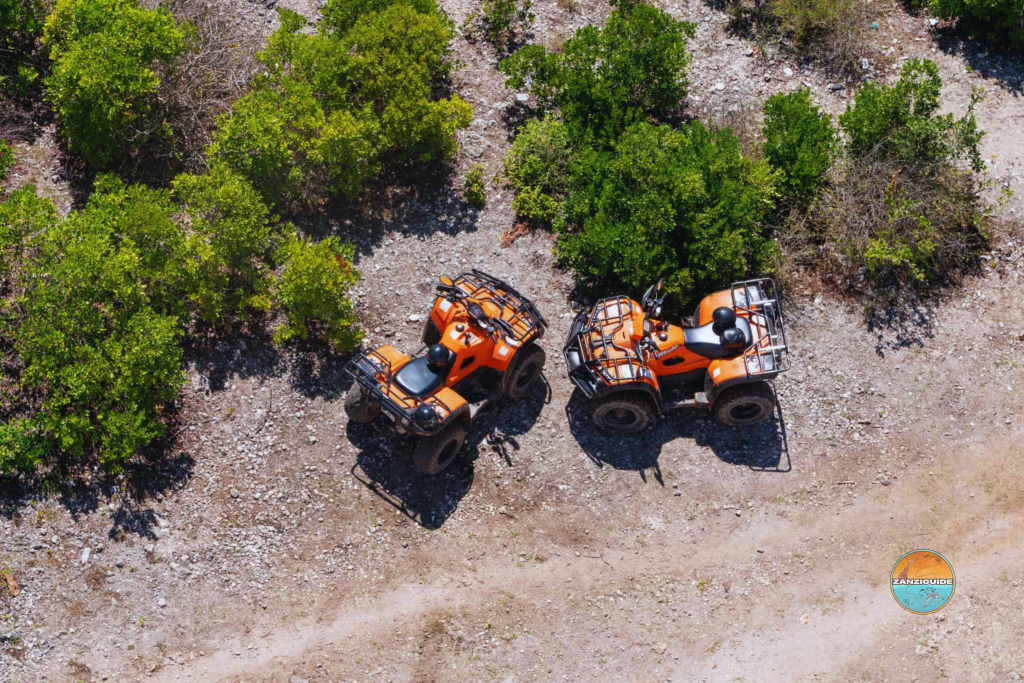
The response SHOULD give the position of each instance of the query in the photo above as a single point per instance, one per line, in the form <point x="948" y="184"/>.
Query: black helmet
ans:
<point x="733" y="338"/>
<point x="437" y="356"/>
<point x="724" y="319"/>
<point x="425" y="416"/>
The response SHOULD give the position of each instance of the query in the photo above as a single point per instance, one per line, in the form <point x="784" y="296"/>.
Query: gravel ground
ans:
<point x="275" y="542"/>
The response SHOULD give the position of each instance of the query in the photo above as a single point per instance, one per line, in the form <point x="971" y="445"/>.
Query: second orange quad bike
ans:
<point x="479" y="346"/>
<point x="633" y="366"/>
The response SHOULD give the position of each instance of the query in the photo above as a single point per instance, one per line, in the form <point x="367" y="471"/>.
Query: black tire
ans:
<point x="359" y="408"/>
<point x="744" y="405"/>
<point x="434" y="454"/>
<point x="624" y="413"/>
<point x="431" y="335"/>
<point x="525" y="369"/>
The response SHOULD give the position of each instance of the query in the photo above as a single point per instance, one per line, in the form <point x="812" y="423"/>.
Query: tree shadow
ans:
<point x="219" y="356"/>
<point x="406" y="199"/>
<point x="431" y="500"/>
<point x="986" y="59"/>
<point x="761" y="447"/>
<point x="900" y="325"/>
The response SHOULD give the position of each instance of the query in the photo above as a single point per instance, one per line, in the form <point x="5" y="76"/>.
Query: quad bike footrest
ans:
<point x="699" y="400"/>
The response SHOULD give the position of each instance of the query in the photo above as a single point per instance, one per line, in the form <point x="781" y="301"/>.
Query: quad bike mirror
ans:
<point x="446" y="281"/>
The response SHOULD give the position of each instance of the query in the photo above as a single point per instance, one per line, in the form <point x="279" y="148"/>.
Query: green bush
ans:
<point x="99" y="357"/>
<point x="332" y="105"/>
<point x="1000" y="20"/>
<point x="104" y="54"/>
<point x="22" y="216"/>
<point x="537" y="165"/>
<point x="6" y="158"/>
<point x="21" y="23"/>
<point x="338" y="16"/>
<point x="900" y="121"/>
<point x="474" y="189"/>
<point x="505" y="20"/>
<point x="311" y="293"/>
<point x="800" y="142"/>
<point x="683" y="205"/>
<point x="605" y="79"/>
<point x="231" y="239"/>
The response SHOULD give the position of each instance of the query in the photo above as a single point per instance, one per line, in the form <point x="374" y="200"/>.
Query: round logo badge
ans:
<point x="923" y="581"/>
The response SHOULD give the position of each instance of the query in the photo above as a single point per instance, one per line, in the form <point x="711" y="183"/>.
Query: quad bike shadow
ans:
<point x="761" y="447"/>
<point x="384" y="467"/>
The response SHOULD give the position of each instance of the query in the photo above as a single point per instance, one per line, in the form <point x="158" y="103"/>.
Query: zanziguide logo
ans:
<point x="923" y="581"/>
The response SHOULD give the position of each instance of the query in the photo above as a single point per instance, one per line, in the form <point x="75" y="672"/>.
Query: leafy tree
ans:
<point x="605" y="79"/>
<point x="338" y="16"/>
<point x="504" y="20"/>
<point x="21" y="23"/>
<point x="800" y="142"/>
<point x="311" y="293"/>
<point x="22" y="216"/>
<point x="683" y="205"/>
<point x="900" y="121"/>
<point x="98" y="355"/>
<point x="331" y="105"/>
<point x="537" y="165"/>
<point x="104" y="54"/>
<point x="1001" y="20"/>
<point x="230" y="238"/>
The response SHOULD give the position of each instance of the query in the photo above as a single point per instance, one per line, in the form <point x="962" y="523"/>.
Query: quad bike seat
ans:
<point x="705" y="341"/>
<point x="417" y="378"/>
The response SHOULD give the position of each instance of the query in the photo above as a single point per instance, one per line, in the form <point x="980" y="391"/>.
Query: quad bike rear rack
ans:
<point x="768" y="355"/>
<point x="590" y="375"/>
<point x="366" y="367"/>
<point x="524" y="313"/>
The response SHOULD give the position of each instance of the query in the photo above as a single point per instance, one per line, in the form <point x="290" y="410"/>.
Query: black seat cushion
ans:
<point x="416" y="378"/>
<point x="703" y="340"/>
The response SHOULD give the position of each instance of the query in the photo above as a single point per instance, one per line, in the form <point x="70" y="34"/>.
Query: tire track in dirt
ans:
<point x="861" y="624"/>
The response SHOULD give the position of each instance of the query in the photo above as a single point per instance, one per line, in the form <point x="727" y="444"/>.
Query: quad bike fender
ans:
<point x="645" y="388"/>
<point x="393" y="356"/>
<point x="443" y="312"/>
<point x="726" y="372"/>
<point x="503" y="353"/>
<point x="710" y="303"/>
<point x="455" y="402"/>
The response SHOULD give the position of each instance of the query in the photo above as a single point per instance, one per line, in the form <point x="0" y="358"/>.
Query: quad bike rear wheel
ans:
<point x="746" y="404"/>
<point x="359" y="408"/>
<point x="434" y="454"/>
<point x="622" y="413"/>
<point x="524" y="371"/>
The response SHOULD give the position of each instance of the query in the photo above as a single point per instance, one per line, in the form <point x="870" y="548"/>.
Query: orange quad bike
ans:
<point x="479" y="346"/>
<point x="633" y="366"/>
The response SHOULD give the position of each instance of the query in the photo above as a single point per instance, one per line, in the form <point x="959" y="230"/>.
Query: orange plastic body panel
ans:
<point x="446" y="400"/>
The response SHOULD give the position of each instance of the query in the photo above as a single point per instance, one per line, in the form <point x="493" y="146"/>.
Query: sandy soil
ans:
<point x="277" y="543"/>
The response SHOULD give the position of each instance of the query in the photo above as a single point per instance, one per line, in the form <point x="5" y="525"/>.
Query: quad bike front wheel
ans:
<point x="746" y="404"/>
<point x="359" y="408"/>
<point x="433" y="454"/>
<point x="524" y="371"/>
<point x="622" y="413"/>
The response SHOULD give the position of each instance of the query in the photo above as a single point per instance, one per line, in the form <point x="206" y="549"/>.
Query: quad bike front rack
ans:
<point x="365" y="369"/>
<point x="524" y="314"/>
<point x="768" y="355"/>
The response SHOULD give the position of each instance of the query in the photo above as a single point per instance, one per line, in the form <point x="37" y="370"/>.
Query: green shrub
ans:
<point x="537" y="165"/>
<point x="474" y="189"/>
<point x="338" y="16"/>
<point x="103" y="54"/>
<point x="683" y="205"/>
<point x="800" y="142"/>
<point x="900" y="121"/>
<point x="231" y="238"/>
<point x="605" y="79"/>
<point x="22" y="216"/>
<point x="99" y="358"/>
<point x="311" y="293"/>
<point x="6" y="158"/>
<point x="505" y="20"/>
<point x="1000" y="20"/>
<point x="330" y="106"/>
<point x="21" y="23"/>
